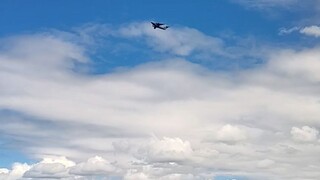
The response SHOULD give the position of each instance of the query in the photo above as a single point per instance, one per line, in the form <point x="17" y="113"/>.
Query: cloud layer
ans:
<point x="170" y="119"/>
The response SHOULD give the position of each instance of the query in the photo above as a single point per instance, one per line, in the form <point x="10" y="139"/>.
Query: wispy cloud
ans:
<point x="189" y="42"/>
<point x="312" y="30"/>
<point x="178" y="41"/>
<point x="265" y="4"/>
<point x="306" y="12"/>
<point x="285" y="31"/>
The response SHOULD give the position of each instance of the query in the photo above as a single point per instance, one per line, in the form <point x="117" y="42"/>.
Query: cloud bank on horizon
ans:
<point x="169" y="118"/>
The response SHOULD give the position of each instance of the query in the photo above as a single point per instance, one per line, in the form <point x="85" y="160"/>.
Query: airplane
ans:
<point x="159" y="25"/>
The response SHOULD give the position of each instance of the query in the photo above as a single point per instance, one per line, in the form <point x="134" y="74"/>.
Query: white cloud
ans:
<point x="229" y="133"/>
<point x="61" y="167"/>
<point x="16" y="172"/>
<point x="311" y="31"/>
<point x="304" y="134"/>
<point x="94" y="166"/>
<point x="297" y="66"/>
<point x="50" y="167"/>
<point x="178" y="177"/>
<point x="4" y="171"/>
<point x="134" y="175"/>
<point x="57" y="111"/>
<point x="266" y="163"/>
<point x="308" y="31"/>
<point x="61" y="160"/>
<point x="168" y="150"/>
<point x="47" y="170"/>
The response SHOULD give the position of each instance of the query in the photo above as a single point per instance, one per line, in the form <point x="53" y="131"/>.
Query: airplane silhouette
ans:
<point x="159" y="25"/>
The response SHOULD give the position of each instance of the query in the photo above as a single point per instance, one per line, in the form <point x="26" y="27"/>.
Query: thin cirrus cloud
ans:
<point x="272" y="7"/>
<point x="178" y="41"/>
<point x="165" y="119"/>
<point x="263" y="4"/>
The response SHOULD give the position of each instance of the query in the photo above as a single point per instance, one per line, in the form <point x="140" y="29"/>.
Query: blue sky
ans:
<point x="91" y="90"/>
<point x="211" y="17"/>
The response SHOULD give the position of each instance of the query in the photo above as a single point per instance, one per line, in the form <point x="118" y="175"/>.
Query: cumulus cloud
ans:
<point x="16" y="172"/>
<point x="94" y="166"/>
<point x="304" y="134"/>
<point x="4" y="171"/>
<point x="56" y="167"/>
<point x="47" y="170"/>
<point x="48" y="108"/>
<point x="60" y="168"/>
